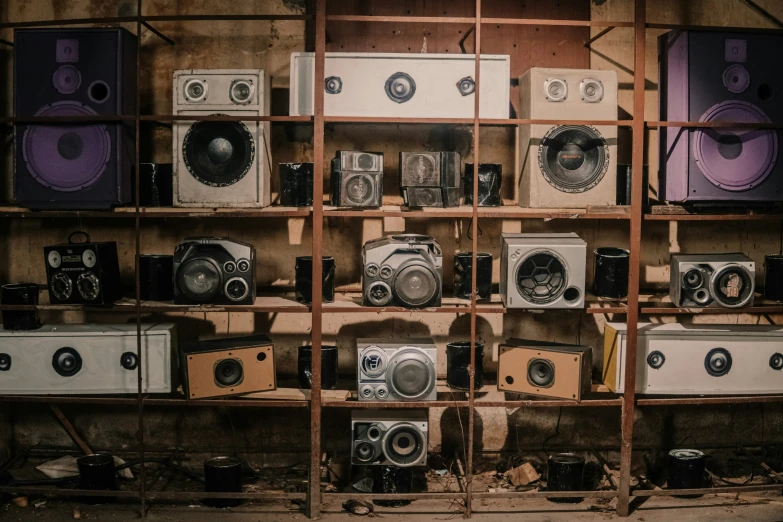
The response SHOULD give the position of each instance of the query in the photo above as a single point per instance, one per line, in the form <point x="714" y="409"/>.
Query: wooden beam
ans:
<point x="75" y="437"/>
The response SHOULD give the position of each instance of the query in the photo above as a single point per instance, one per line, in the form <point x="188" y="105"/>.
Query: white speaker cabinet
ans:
<point x="402" y="85"/>
<point x="87" y="359"/>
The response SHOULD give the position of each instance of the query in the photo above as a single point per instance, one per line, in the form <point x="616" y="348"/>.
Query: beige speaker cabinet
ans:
<point x="568" y="166"/>
<point x="230" y="366"/>
<point x="545" y="369"/>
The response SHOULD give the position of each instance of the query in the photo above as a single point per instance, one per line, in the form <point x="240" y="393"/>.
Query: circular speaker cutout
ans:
<point x="98" y="91"/>
<point x="228" y="372"/>
<point x="776" y="361"/>
<point x="333" y="85"/>
<point x="359" y="189"/>
<point x="129" y="361"/>
<point x="556" y="89"/>
<point x="411" y="374"/>
<point x="5" y="362"/>
<point x="67" y="362"/>
<point x="218" y="154"/>
<point x="400" y="87"/>
<point x="541" y="373"/>
<point x="656" y="359"/>
<point x="732" y="286"/>
<point x="573" y="158"/>
<point x="67" y="79"/>
<point x="404" y="445"/>
<point x="736" y="78"/>
<point x="89" y="286"/>
<point x="199" y="279"/>
<point x="718" y="362"/>
<point x="415" y="285"/>
<point x="61" y="286"/>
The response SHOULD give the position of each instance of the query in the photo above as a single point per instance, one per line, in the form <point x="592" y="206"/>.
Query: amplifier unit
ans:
<point x="83" y="273"/>
<point x="677" y="359"/>
<point x="402" y="85"/>
<point x="87" y="359"/>
<point x="397" y="370"/>
<point x="545" y="368"/>
<point x="214" y="271"/>
<point x="357" y="179"/>
<point x="430" y="179"/>
<point x="712" y="280"/>
<point x="542" y="270"/>
<point x="229" y="366"/>
<point x="389" y="437"/>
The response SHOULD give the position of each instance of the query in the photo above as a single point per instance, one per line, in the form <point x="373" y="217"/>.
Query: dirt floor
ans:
<point x="715" y="508"/>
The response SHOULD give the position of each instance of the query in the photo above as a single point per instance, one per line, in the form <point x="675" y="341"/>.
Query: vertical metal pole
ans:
<point x="623" y="502"/>
<point x="474" y="247"/>
<point x="314" y="490"/>
<point x="139" y="354"/>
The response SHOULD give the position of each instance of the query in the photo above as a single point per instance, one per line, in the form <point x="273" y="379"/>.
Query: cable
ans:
<point x="556" y="433"/>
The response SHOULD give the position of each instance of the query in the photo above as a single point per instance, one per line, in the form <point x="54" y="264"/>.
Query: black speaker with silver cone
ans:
<point x="712" y="280"/>
<point x="214" y="271"/>
<point x="389" y="438"/>
<point x="357" y="179"/>
<point x="396" y="370"/>
<point x="404" y="270"/>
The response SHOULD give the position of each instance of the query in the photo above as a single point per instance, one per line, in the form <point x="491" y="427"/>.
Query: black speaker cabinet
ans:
<point x="88" y="72"/>
<point x="229" y="366"/>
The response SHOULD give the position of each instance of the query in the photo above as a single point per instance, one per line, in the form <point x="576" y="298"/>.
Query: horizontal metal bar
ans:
<point x="402" y="19"/>
<point x="62" y="492"/>
<point x="538" y="121"/>
<point x="160" y="212"/>
<point x="715" y="124"/>
<point x="66" y="119"/>
<point x="158" y="33"/>
<point x="594" y="403"/>
<point x="225" y="117"/>
<point x="72" y="21"/>
<point x="197" y="495"/>
<point x="387" y="119"/>
<point x="686" y="27"/>
<point x="154" y="401"/>
<point x="673" y="310"/>
<point x="393" y="405"/>
<point x="707" y="401"/>
<point x="753" y="216"/>
<point x="440" y="495"/>
<point x="545" y="494"/>
<point x="224" y="18"/>
<point x="554" y="22"/>
<point x="705" y="491"/>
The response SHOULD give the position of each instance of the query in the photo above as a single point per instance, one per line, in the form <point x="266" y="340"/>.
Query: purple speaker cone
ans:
<point x="66" y="79"/>
<point x="735" y="159"/>
<point x="736" y="78"/>
<point x="66" y="158"/>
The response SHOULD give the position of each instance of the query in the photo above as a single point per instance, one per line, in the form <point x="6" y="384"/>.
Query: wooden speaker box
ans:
<point x="229" y="366"/>
<point x="544" y="368"/>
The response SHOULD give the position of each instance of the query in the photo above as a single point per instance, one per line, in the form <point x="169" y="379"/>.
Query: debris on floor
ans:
<point x="358" y="507"/>
<point x="522" y="475"/>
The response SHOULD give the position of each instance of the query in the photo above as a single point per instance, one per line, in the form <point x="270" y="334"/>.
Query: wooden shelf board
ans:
<point x="510" y="210"/>
<point x="661" y="304"/>
<point x="159" y="212"/>
<point x="649" y="400"/>
<point x="681" y="213"/>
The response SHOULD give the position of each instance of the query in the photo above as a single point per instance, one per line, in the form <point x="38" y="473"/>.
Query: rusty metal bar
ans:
<point x="396" y="496"/>
<point x="402" y="19"/>
<point x="554" y="22"/>
<point x="705" y="491"/>
<point x="197" y="495"/>
<point x="589" y="42"/>
<point x="313" y="509"/>
<point x="546" y="494"/>
<point x="225" y="18"/>
<point x="75" y="437"/>
<point x="6" y="42"/>
<point x="158" y="33"/>
<point x="640" y="39"/>
<point x="763" y="12"/>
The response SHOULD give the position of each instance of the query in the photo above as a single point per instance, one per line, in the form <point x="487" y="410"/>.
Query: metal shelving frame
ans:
<point x="634" y="214"/>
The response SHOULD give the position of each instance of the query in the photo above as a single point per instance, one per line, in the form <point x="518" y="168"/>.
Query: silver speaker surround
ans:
<point x="712" y="280"/>
<point x="403" y="270"/>
<point x="389" y="438"/>
<point x="396" y="370"/>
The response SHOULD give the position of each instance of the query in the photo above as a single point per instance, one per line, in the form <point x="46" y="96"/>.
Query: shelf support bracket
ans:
<point x="763" y="13"/>
<point x="589" y="42"/>
<point x="158" y="33"/>
<point x="6" y="42"/>
<point x="70" y="429"/>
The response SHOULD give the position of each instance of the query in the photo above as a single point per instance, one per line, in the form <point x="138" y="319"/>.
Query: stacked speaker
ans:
<point x="88" y="73"/>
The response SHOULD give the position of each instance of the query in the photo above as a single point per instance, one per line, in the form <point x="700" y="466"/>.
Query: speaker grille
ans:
<point x="573" y="158"/>
<point x="541" y="278"/>
<point x="415" y="285"/>
<point x="411" y="376"/>
<point x="732" y="286"/>
<point x="218" y="154"/>
<point x="358" y="188"/>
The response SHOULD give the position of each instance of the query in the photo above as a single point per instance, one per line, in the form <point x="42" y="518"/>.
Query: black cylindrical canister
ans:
<point x="304" y="278"/>
<point x="457" y="363"/>
<point x="463" y="273"/>
<point x="223" y="475"/>
<point x="96" y="472"/>
<point x="773" y="277"/>
<point x="156" y="187"/>
<point x="296" y="184"/>
<point x="328" y="367"/>
<point x="20" y="294"/>
<point x="565" y="472"/>
<point x="489" y="179"/>
<point x="685" y="469"/>
<point x="157" y="277"/>
<point x="611" y="272"/>
<point x="391" y="480"/>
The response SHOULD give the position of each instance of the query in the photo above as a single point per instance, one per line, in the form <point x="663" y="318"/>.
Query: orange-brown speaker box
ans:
<point x="229" y="366"/>
<point x="562" y="371"/>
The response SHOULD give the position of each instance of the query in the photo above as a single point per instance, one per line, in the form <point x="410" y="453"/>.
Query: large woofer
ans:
<point x="218" y="153"/>
<point x="573" y="158"/>
<point x="411" y="374"/>
<point x="541" y="373"/>
<point x="718" y="362"/>
<point x="229" y="372"/>
<point x="364" y="452"/>
<point x="541" y="278"/>
<point x="67" y="362"/>
<point x="732" y="286"/>
<point x="404" y="445"/>
<point x="358" y="188"/>
<point x="66" y="158"/>
<point x="415" y="285"/>
<point x="200" y="278"/>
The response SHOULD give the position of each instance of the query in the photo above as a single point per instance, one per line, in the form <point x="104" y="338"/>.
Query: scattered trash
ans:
<point x="67" y="467"/>
<point x="441" y="472"/>
<point x="522" y="475"/>
<point x="38" y="501"/>
<point x="358" y="507"/>
<point x="21" y="502"/>
<point x="76" y="513"/>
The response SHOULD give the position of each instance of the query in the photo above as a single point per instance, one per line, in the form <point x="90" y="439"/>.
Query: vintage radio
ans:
<point x="389" y="437"/>
<point x="708" y="359"/>
<point x="568" y="166"/>
<point x="712" y="280"/>
<point x="403" y="270"/>
<point x="357" y="179"/>
<point x="221" y="163"/>
<point x="397" y="370"/>
<point x="714" y="77"/>
<point x="545" y="368"/>
<point x="83" y="273"/>
<point x="542" y="270"/>
<point x="229" y="366"/>
<point x="85" y="72"/>
<point x="214" y="271"/>
<point x="402" y="85"/>
<point x="430" y="179"/>
<point x="87" y="359"/>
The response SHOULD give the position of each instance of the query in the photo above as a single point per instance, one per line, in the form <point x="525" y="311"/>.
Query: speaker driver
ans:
<point x="373" y="362"/>
<point x="776" y="361"/>
<point x="241" y="92"/>
<point x="62" y="286"/>
<point x="67" y="362"/>
<point x="218" y="154"/>
<point x="736" y="78"/>
<point x="229" y="372"/>
<point x="732" y="286"/>
<point x="400" y="87"/>
<point x="735" y="159"/>
<point x="541" y="373"/>
<point x="541" y="278"/>
<point x="556" y="89"/>
<point x="67" y="79"/>
<point x="415" y="285"/>
<point x="200" y="279"/>
<point x="379" y="293"/>
<point x="403" y="445"/>
<point x="5" y="362"/>
<point x="411" y="375"/>
<point x="333" y="85"/>
<point x="656" y="360"/>
<point x="718" y="362"/>
<point x="573" y="158"/>
<point x="236" y="289"/>
<point x="66" y="158"/>
<point x="129" y="361"/>
<point x="693" y="279"/>
<point x="89" y="286"/>
<point x="592" y="90"/>
<point x="420" y="170"/>
<point x="466" y="86"/>
<point x="364" y="452"/>
<point x="359" y="189"/>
